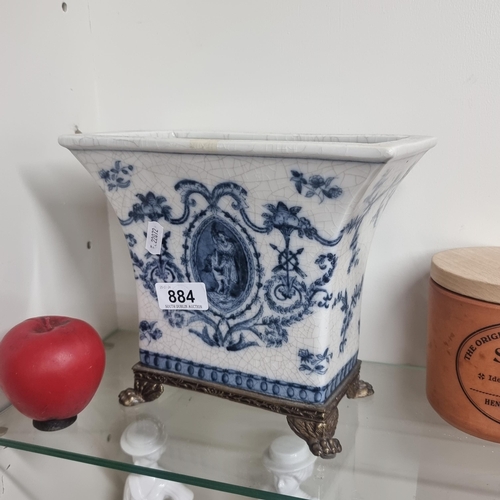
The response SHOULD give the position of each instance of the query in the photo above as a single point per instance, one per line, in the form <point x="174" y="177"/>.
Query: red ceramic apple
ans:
<point x="50" y="368"/>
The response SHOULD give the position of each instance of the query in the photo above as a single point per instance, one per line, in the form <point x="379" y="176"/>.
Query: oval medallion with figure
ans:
<point x="221" y="258"/>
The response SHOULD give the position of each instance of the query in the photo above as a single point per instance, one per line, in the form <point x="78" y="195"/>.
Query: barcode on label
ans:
<point x="182" y="296"/>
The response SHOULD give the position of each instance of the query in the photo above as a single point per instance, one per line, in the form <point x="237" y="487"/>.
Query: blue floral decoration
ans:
<point x="220" y="251"/>
<point x="117" y="176"/>
<point x="156" y="268"/>
<point x="314" y="363"/>
<point x="131" y="240"/>
<point x="176" y="319"/>
<point x="379" y="196"/>
<point x="316" y="185"/>
<point x="151" y="207"/>
<point x="347" y="306"/>
<point x="148" y="330"/>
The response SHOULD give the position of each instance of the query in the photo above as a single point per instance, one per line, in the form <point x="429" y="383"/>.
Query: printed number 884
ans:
<point x="175" y="296"/>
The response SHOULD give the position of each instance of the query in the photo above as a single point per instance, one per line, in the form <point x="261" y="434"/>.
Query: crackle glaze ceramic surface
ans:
<point x="278" y="229"/>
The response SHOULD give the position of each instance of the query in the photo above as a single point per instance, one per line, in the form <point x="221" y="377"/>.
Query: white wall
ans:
<point x="328" y="66"/>
<point x="292" y="65"/>
<point x="289" y="66"/>
<point x="50" y="207"/>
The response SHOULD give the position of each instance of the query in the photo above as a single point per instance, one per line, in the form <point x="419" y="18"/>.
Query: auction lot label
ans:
<point x="478" y="370"/>
<point x="183" y="296"/>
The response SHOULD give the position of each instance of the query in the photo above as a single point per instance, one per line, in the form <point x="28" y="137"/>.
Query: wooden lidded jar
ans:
<point x="463" y="352"/>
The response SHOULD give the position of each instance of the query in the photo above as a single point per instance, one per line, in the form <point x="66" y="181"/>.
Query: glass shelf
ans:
<point x="394" y="444"/>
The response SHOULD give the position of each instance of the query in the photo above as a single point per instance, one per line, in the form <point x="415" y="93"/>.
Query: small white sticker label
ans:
<point x="182" y="296"/>
<point x="154" y="237"/>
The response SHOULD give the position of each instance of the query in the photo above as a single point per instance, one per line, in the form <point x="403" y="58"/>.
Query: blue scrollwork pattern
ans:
<point x="220" y="250"/>
<point x="154" y="269"/>
<point x="347" y="305"/>
<point x="249" y="306"/>
<point x="379" y="196"/>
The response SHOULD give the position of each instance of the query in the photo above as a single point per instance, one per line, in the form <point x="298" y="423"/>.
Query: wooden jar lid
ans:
<point x="473" y="272"/>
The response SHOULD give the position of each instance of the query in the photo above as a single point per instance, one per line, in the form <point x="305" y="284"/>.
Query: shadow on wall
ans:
<point x="395" y="311"/>
<point x="414" y="305"/>
<point x="125" y="284"/>
<point x="70" y="245"/>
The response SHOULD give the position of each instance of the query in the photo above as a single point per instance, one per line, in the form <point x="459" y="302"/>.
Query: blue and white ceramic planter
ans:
<point x="278" y="229"/>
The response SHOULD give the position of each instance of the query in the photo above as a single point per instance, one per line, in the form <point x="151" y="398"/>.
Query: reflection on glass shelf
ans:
<point x="394" y="445"/>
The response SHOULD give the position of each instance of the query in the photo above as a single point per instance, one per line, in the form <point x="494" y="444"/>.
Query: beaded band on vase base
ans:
<point x="248" y="382"/>
<point x="315" y="423"/>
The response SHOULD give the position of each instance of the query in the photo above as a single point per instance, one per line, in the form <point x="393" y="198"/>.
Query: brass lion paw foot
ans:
<point x="325" y="448"/>
<point x="318" y="435"/>
<point x="359" y="389"/>
<point x="143" y="392"/>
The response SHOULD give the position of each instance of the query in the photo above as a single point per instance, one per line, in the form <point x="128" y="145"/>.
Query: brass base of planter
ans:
<point x="315" y="424"/>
